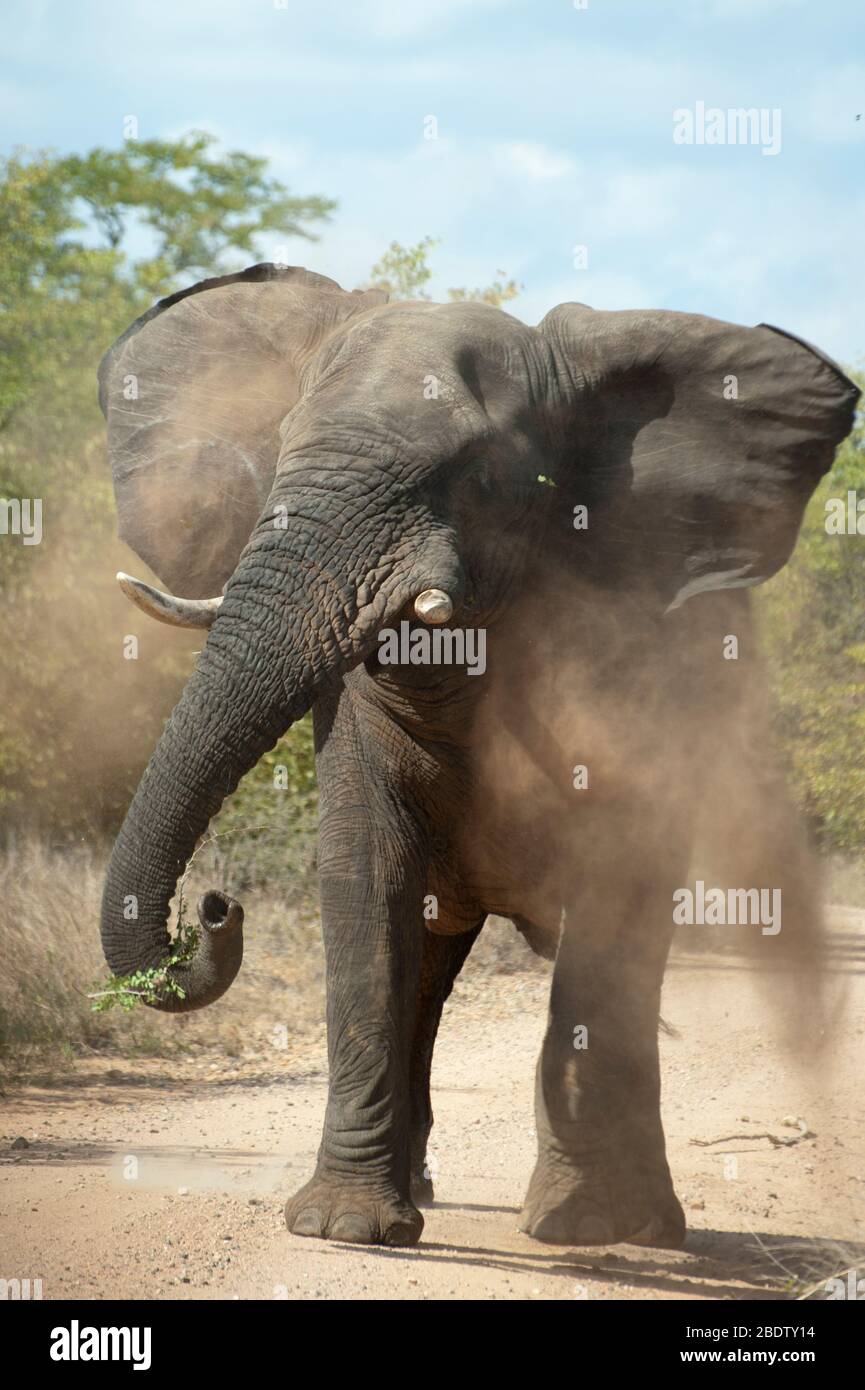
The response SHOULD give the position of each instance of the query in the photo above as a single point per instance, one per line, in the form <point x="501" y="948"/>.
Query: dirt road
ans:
<point x="150" y="1179"/>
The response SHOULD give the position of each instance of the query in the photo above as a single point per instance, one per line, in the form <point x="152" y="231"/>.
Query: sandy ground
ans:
<point x="156" y="1179"/>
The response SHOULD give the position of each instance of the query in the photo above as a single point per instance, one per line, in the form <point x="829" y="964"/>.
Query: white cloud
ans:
<point x="534" y="160"/>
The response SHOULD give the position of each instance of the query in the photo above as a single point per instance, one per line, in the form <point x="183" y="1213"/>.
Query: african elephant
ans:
<point x="590" y="497"/>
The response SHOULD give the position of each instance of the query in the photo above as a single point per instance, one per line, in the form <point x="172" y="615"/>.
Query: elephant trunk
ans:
<point x="279" y="633"/>
<point x="204" y="751"/>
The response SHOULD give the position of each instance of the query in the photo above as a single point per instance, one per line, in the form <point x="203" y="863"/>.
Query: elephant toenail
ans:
<point x="306" y="1223"/>
<point x="403" y="1233"/>
<point x="352" y="1227"/>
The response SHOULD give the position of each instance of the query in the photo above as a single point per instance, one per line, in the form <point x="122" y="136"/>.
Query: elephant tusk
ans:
<point x="434" y="606"/>
<point x="179" y="612"/>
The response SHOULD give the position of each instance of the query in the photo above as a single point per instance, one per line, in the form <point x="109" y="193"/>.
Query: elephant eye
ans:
<point x="481" y="475"/>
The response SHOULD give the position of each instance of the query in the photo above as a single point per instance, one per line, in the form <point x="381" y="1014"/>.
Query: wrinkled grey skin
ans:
<point x="327" y="457"/>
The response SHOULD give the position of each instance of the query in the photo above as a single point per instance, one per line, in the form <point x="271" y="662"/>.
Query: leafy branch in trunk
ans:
<point x="146" y="986"/>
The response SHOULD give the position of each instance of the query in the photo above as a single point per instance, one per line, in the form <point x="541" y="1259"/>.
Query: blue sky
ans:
<point x="555" y="130"/>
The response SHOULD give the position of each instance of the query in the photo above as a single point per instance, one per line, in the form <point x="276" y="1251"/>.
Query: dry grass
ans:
<point x="813" y="1270"/>
<point x="50" y="960"/>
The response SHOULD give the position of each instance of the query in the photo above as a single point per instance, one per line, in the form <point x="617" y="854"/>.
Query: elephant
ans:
<point x="311" y="471"/>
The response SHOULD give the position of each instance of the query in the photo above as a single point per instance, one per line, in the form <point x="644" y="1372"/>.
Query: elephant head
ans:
<point x="332" y="462"/>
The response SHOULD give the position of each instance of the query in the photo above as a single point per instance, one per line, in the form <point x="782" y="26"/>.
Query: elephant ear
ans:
<point x="694" y="443"/>
<point x="194" y="394"/>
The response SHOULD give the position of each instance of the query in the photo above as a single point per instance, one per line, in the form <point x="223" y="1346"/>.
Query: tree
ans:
<point x="812" y="623"/>
<point x="404" y="272"/>
<point x="54" y="291"/>
<point x="198" y="206"/>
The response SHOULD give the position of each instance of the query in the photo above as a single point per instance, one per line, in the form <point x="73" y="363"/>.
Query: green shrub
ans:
<point x="812" y="624"/>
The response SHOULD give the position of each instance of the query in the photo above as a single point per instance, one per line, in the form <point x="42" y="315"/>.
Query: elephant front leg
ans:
<point x="372" y="876"/>
<point x="602" y="1175"/>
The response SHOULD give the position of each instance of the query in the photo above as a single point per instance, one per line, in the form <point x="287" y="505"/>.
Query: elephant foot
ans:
<point x="565" y="1206"/>
<point x="332" y="1209"/>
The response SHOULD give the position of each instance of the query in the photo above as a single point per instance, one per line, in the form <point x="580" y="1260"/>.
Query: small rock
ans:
<point x="20" y="1143"/>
